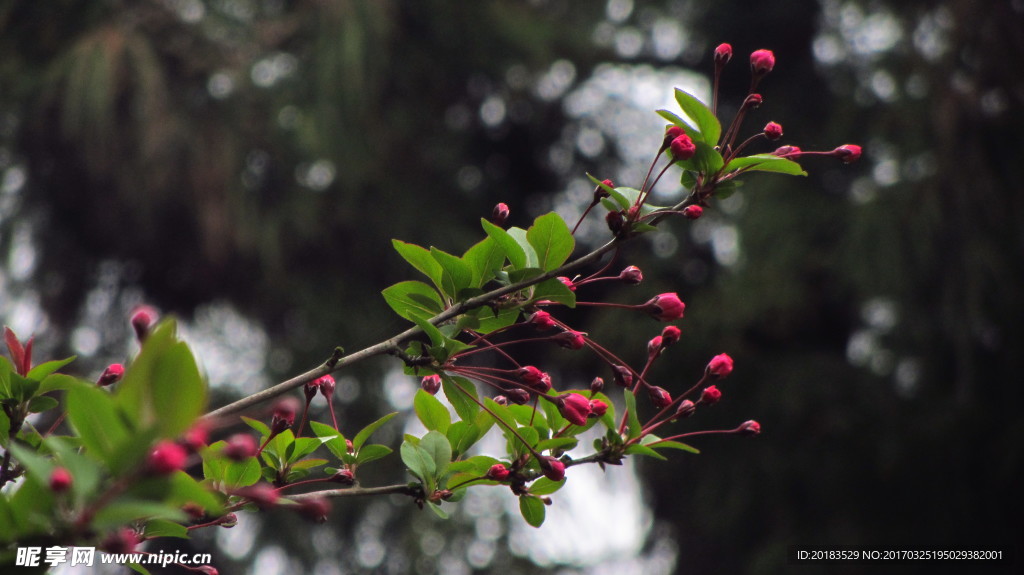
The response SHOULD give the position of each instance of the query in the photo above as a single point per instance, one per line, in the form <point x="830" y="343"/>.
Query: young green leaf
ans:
<point x="431" y="412"/>
<point x="436" y="444"/>
<point x="513" y="251"/>
<point x="456" y="275"/>
<point x="485" y="259"/>
<point x="707" y="123"/>
<point x="551" y="239"/>
<point x="545" y="486"/>
<point x="421" y="259"/>
<point x="675" y="119"/>
<point x="366" y="432"/>
<point x="532" y="509"/>
<point x="420" y="462"/>
<point x="765" y="163"/>
<point x="372" y="452"/>
<point x="456" y="389"/>
<point x="633" y="421"/>
<point x="411" y="299"/>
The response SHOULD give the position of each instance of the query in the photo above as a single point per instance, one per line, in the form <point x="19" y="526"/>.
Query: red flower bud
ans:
<point x="529" y="374"/>
<point x="665" y="307"/>
<point x="570" y="340"/>
<point x="600" y="192"/>
<point x="499" y="214"/>
<point x="326" y="385"/>
<point x="431" y="384"/>
<point x="623" y="375"/>
<point x="498" y="472"/>
<point x="284" y="415"/>
<point x="723" y="53"/>
<point x="596" y="385"/>
<point x="752" y="102"/>
<point x="671" y="133"/>
<point x="574" y="407"/>
<point x="848" y="153"/>
<point x="521" y="396"/>
<point x="750" y="428"/>
<point x="567" y="282"/>
<point x="228" y="520"/>
<point x="122" y="541"/>
<point x="344" y="477"/>
<point x="654" y="347"/>
<point x="659" y="396"/>
<point x="670" y="335"/>
<point x="501" y="400"/>
<point x="761" y="62"/>
<point x="773" y="131"/>
<point x="787" y="152"/>
<point x="311" y="389"/>
<point x="553" y="469"/>
<point x="542" y="320"/>
<point x="616" y="221"/>
<point x="166" y="458"/>
<point x="686" y="408"/>
<point x="720" y="366"/>
<point x="711" y="395"/>
<point x="693" y="212"/>
<point x="262" y="494"/>
<point x="631" y="275"/>
<point x="315" y="509"/>
<point x="111" y="375"/>
<point x="142" y="319"/>
<point x="195" y="438"/>
<point x="683" y="148"/>
<point x="597" y="408"/>
<point x="60" y="480"/>
<point x="240" y="447"/>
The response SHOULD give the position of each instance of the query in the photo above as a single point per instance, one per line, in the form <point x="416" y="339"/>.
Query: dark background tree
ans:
<point x="264" y="153"/>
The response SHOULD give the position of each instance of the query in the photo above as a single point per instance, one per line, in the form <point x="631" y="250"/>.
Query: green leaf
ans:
<point x="366" y="432"/>
<point x="372" y="452"/>
<point x="260" y="427"/>
<point x="765" y="163"/>
<point x="456" y="389"/>
<point x="552" y="289"/>
<point x="126" y="510"/>
<point x="633" y="421"/>
<point x="420" y="462"/>
<point x="707" y="123"/>
<point x="706" y="160"/>
<point x="421" y="259"/>
<point x="489" y="322"/>
<point x="42" y="370"/>
<point x="485" y="258"/>
<point x="165" y="528"/>
<point x="532" y="509"/>
<point x="675" y="119"/>
<point x="528" y="435"/>
<point x="311" y="463"/>
<point x="163" y="388"/>
<point x="513" y="251"/>
<point x="57" y="381"/>
<point x="563" y="443"/>
<point x="437" y="510"/>
<point x="302" y="447"/>
<point x="521" y="237"/>
<point x="242" y="473"/>
<point x="96" y="420"/>
<point x="545" y="486"/>
<point x="432" y="412"/>
<point x="637" y="449"/>
<point x="437" y="339"/>
<point x="673" y="445"/>
<point x="551" y="239"/>
<point x="462" y="435"/>
<point x="456" y="275"/>
<point x="41" y="403"/>
<point x="138" y="569"/>
<point x="436" y="444"/>
<point x="412" y="299"/>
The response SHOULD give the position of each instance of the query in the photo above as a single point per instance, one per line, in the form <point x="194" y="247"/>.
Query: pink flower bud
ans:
<point x="596" y="385"/>
<point x="848" y="153"/>
<point x="670" y="335"/>
<point x="623" y="375"/>
<point x="60" y="480"/>
<point x="498" y="472"/>
<point x="600" y="192"/>
<point x="326" y="385"/>
<point x="631" y="275"/>
<point x="529" y="374"/>
<point x="693" y="212"/>
<point x="315" y="509"/>
<point x="111" y="375"/>
<point x="431" y="384"/>
<point x="499" y="214"/>
<point x="773" y="131"/>
<point x="544" y="385"/>
<point x="142" y="319"/>
<point x="654" y="347"/>
<point x="166" y="458"/>
<point x="542" y="320"/>
<point x="686" y="408"/>
<point x="711" y="395"/>
<point x="598" y="408"/>
<point x="284" y="415"/>
<point x="723" y="53"/>
<point x="787" y="152"/>
<point x="240" y="447"/>
<point x="262" y="494"/>
<point x="683" y="148"/>
<point x="665" y="307"/>
<point x="520" y="396"/>
<point x="659" y="396"/>
<point x="761" y="62"/>
<point x="122" y="541"/>
<point x="552" y="468"/>
<point x="671" y="133"/>
<point x="720" y="366"/>
<point x="195" y="438"/>
<point x="344" y="477"/>
<point x="574" y="407"/>
<point x="750" y="428"/>
<point x="567" y="282"/>
<point x="348" y="446"/>
<point x="570" y="340"/>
